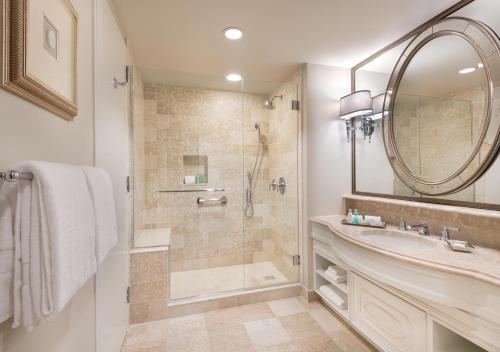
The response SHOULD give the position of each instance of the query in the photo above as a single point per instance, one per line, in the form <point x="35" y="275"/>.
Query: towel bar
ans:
<point x="202" y="201"/>
<point x="12" y="176"/>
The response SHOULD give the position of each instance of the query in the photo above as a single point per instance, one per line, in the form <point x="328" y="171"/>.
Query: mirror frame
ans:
<point x="417" y="31"/>
<point x="459" y="179"/>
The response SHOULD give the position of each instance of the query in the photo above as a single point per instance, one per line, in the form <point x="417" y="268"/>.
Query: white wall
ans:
<point x="29" y="132"/>
<point x="327" y="162"/>
<point x="373" y="171"/>
<point x="112" y="154"/>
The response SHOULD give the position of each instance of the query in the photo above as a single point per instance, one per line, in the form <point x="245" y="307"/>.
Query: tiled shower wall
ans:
<point x="177" y="122"/>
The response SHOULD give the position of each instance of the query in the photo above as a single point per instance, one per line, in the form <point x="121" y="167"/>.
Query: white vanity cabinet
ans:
<point x="393" y="323"/>
<point x="393" y="319"/>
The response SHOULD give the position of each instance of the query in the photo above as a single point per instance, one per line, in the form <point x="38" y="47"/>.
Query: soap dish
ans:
<point x="461" y="246"/>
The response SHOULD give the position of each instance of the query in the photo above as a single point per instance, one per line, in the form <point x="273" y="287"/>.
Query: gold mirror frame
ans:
<point x="463" y="177"/>
<point x="14" y="75"/>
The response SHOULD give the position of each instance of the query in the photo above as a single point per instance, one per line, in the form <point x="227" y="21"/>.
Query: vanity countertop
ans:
<point x="483" y="264"/>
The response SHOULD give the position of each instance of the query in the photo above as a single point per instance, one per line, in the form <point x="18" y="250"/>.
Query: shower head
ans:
<point x="268" y="104"/>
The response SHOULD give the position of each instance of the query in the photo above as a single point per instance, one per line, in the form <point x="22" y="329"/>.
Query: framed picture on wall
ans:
<point x="39" y="53"/>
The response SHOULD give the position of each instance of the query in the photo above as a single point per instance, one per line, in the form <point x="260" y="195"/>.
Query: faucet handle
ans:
<point x="402" y="223"/>
<point x="273" y="185"/>
<point x="446" y="232"/>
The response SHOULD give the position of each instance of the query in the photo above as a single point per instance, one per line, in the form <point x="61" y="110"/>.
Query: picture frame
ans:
<point x="39" y="47"/>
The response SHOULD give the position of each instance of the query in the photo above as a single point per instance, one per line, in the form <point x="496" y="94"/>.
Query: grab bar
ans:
<point x="222" y="200"/>
<point x="193" y="190"/>
<point x="12" y="176"/>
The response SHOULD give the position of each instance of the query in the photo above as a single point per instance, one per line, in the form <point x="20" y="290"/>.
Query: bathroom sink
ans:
<point x="389" y="238"/>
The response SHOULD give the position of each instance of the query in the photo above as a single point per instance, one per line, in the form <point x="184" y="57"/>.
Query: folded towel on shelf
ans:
<point x="337" y="270"/>
<point x="101" y="192"/>
<point x="336" y="278"/>
<point x="55" y="232"/>
<point x="331" y="295"/>
<point x="8" y="194"/>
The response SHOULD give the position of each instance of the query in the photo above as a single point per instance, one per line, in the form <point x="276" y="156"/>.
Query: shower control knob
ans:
<point x="273" y="185"/>
<point x="282" y="185"/>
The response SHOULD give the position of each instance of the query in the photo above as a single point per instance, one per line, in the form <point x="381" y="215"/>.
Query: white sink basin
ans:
<point x="389" y="238"/>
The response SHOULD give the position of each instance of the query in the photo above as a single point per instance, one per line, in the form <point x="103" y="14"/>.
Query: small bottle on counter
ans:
<point x="349" y="216"/>
<point x="355" y="218"/>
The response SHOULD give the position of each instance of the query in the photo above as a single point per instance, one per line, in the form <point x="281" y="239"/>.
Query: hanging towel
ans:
<point x="101" y="192"/>
<point x="56" y="238"/>
<point x="329" y="292"/>
<point x="8" y="193"/>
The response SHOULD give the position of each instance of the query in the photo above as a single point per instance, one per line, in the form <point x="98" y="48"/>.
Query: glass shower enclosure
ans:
<point x="216" y="176"/>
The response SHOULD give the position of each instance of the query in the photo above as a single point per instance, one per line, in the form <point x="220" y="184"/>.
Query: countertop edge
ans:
<point x="415" y="261"/>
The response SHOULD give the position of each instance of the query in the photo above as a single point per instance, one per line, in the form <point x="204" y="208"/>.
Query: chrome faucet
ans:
<point x="422" y="228"/>
<point x="446" y="232"/>
<point x="402" y="224"/>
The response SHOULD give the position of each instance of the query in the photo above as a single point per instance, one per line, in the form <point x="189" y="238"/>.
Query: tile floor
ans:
<point x="288" y="325"/>
<point x="192" y="283"/>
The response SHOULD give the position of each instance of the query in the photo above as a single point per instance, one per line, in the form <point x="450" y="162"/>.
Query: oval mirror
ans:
<point x="441" y="108"/>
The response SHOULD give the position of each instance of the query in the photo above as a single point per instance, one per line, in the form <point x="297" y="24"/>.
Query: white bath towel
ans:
<point x="337" y="270"/>
<point x="58" y="246"/>
<point x="101" y="192"/>
<point x="8" y="194"/>
<point x="329" y="292"/>
<point x="335" y="278"/>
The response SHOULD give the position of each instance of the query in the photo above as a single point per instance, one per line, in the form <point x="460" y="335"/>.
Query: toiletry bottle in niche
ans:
<point x="355" y="218"/>
<point x="349" y="216"/>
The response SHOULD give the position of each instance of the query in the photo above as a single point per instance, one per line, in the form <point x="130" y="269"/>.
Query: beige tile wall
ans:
<point x="148" y="286"/>
<point x="481" y="227"/>
<point x="187" y="121"/>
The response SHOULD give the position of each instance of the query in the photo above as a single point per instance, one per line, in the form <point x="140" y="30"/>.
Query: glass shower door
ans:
<point x="271" y="231"/>
<point x="189" y="183"/>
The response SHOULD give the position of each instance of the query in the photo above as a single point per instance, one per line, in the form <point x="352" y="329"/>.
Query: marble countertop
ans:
<point x="483" y="264"/>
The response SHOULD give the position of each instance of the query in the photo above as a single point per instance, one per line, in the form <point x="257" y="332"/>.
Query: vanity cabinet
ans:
<point x="393" y="323"/>
<point x="391" y="318"/>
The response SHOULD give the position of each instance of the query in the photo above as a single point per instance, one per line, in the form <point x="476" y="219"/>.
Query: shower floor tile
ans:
<point x="192" y="283"/>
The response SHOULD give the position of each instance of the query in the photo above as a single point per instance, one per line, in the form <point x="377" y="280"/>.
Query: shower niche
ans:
<point x="195" y="169"/>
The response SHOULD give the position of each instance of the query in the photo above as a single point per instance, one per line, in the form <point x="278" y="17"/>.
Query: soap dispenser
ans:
<point x="349" y="216"/>
<point x="355" y="218"/>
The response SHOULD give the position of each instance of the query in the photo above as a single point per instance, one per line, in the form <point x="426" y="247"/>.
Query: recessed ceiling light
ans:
<point x="389" y="91"/>
<point x="233" y="33"/>
<point x="233" y="77"/>
<point x="480" y="65"/>
<point x="467" y="70"/>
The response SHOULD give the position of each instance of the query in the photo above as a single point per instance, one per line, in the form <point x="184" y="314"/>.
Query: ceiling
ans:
<point x="181" y="41"/>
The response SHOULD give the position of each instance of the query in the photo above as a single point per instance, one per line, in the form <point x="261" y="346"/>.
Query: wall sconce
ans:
<point x="353" y="105"/>
<point x="368" y="125"/>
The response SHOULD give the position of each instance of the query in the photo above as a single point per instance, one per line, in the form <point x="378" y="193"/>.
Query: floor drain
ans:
<point x="269" y="277"/>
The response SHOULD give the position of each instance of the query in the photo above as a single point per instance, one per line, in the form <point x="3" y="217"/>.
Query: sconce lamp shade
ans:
<point x="356" y="104"/>
<point x="378" y="107"/>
